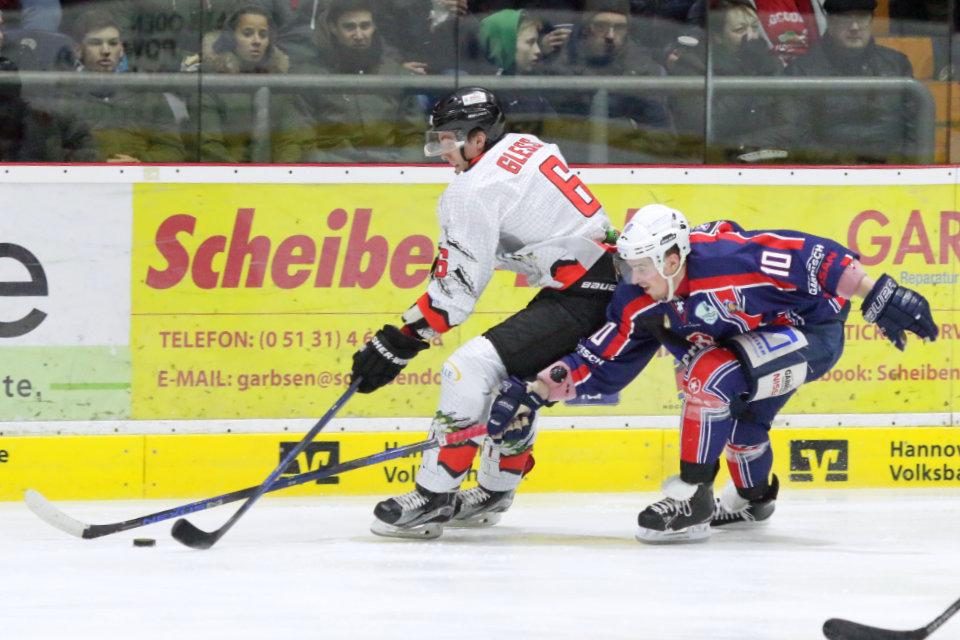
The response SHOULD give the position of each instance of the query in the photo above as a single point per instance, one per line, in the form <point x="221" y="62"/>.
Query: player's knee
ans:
<point x="714" y="379"/>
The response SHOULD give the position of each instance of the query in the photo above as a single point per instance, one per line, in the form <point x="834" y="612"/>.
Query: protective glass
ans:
<point x="441" y="142"/>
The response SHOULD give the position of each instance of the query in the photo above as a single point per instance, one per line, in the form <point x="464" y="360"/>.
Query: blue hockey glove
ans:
<point x="896" y="309"/>
<point x="507" y="421"/>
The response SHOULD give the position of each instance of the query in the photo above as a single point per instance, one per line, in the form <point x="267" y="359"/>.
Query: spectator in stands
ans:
<point x="253" y="125"/>
<point x="639" y="125"/>
<point x="31" y="135"/>
<point x="790" y="27"/>
<point x="432" y="36"/>
<point x="850" y="127"/>
<point x="358" y="126"/>
<point x="128" y="126"/>
<point x="509" y="42"/>
<point x="744" y="126"/>
<point x="166" y="35"/>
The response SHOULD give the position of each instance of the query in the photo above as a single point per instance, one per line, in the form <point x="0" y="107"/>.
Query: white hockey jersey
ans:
<point x="518" y="208"/>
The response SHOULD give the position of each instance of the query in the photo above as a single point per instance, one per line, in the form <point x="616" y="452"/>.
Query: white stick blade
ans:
<point x="51" y="515"/>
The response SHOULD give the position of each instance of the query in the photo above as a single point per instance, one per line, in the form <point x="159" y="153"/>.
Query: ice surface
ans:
<point x="557" y="566"/>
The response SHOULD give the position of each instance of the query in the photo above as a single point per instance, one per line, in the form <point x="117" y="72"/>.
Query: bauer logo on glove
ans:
<point x="896" y="310"/>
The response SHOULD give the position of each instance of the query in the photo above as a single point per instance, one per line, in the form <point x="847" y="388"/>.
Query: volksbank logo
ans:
<point x="317" y="455"/>
<point x="819" y="460"/>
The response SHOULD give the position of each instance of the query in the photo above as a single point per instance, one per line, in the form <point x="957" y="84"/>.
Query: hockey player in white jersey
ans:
<point x="513" y="205"/>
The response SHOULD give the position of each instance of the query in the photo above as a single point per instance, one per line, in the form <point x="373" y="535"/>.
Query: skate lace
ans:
<point x="671" y="506"/>
<point x="474" y="496"/>
<point x="720" y="513"/>
<point x="411" y="501"/>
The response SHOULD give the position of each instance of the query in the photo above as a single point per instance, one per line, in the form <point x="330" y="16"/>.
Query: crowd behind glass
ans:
<point x="558" y="48"/>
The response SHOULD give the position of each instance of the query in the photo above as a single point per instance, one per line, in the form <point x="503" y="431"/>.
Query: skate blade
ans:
<point x="696" y="533"/>
<point x="742" y="525"/>
<point x="427" y="531"/>
<point x="478" y="521"/>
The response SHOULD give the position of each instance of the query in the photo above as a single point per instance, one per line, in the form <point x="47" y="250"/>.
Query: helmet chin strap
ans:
<point x="671" y="279"/>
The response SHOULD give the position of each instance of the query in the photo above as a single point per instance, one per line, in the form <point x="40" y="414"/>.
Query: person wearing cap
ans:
<point x="847" y="127"/>
<point x="639" y="125"/>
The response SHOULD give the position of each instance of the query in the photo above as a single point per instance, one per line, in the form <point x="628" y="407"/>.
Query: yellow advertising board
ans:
<point x="248" y="300"/>
<point x="624" y="460"/>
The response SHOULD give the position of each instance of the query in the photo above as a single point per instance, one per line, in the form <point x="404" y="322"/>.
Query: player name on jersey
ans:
<point x="517" y="155"/>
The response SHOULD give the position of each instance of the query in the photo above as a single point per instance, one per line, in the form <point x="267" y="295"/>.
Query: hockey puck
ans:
<point x="144" y="542"/>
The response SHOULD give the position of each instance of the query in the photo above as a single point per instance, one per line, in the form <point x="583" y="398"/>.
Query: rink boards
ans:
<point x="586" y="460"/>
<point x="166" y="330"/>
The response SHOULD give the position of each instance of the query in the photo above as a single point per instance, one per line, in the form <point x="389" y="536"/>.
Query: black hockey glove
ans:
<point x="896" y="309"/>
<point x="508" y="422"/>
<point x="381" y="359"/>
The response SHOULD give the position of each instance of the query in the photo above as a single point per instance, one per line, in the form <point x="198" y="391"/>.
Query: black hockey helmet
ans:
<point x="463" y="111"/>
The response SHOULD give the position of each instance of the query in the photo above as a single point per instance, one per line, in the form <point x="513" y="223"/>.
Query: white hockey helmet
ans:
<point x="652" y="232"/>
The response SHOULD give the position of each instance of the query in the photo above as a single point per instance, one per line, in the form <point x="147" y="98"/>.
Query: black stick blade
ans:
<point x="187" y="533"/>
<point x="839" y="629"/>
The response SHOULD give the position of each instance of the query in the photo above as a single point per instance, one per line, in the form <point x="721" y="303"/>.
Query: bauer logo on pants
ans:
<point x="317" y="455"/>
<point x="819" y="460"/>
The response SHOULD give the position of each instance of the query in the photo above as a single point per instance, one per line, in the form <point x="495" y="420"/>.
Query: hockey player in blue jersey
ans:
<point x="750" y="316"/>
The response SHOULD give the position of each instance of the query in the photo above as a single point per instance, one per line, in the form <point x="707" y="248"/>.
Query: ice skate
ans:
<point x="735" y="512"/>
<point x="683" y="516"/>
<point x="418" y="514"/>
<point x="478" y="507"/>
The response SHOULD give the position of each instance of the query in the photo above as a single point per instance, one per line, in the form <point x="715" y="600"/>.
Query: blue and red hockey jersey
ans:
<point x="735" y="281"/>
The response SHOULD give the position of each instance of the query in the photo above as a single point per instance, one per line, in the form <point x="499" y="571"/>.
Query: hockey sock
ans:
<point x="749" y="465"/>
<point x="457" y="460"/>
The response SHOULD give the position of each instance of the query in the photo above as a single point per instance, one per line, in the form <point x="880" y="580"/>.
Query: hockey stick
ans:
<point x="53" y="516"/>
<point x="186" y="532"/>
<point x="838" y="629"/>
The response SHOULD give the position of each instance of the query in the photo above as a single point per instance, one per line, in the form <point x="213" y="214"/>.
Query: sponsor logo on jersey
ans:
<point x="824" y="269"/>
<point x="819" y="460"/>
<point x="706" y="312"/>
<point x="813" y="269"/>
<point x="589" y="356"/>
<point x="733" y="306"/>
<point x="450" y="372"/>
